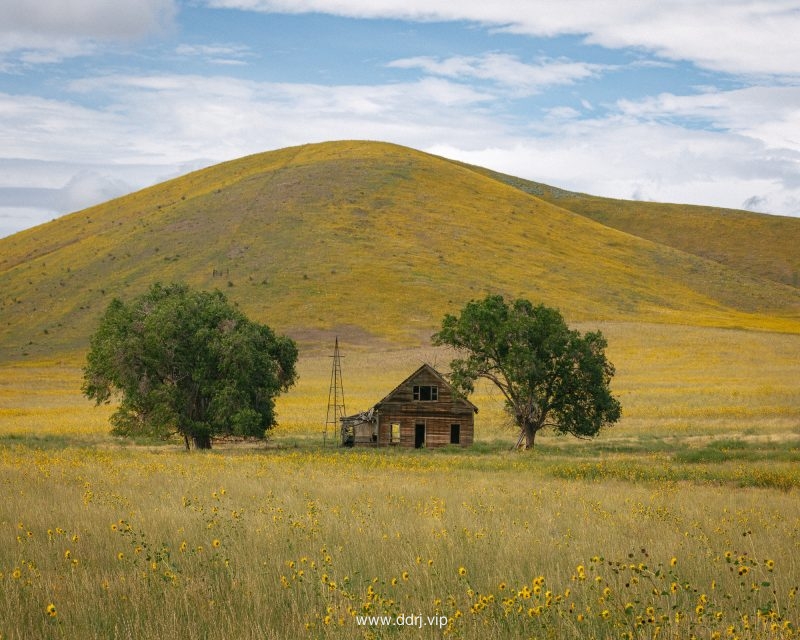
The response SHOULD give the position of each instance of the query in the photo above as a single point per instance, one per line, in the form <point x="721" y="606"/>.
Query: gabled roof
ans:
<point x="429" y="369"/>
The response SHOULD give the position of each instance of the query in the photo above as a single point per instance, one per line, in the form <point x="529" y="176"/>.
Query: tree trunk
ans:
<point x="201" y="440"/>
<point x="530" y="435"/>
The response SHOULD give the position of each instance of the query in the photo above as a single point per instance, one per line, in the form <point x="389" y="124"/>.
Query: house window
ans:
<point x="395" y="433"/>
<point x="455" y="434"/>
<point x="427" y="393"/>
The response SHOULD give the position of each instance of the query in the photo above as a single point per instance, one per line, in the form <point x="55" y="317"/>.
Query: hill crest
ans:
<point x="370" y="238"/>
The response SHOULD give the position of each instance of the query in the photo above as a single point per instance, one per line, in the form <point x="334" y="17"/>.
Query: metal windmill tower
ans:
<point x="336" y="408"/>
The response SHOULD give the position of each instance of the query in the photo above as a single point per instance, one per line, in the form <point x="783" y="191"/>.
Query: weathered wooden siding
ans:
<point x="363" y="435"/>
<point x="437" y="429"/>
<point x="436" y="412"/>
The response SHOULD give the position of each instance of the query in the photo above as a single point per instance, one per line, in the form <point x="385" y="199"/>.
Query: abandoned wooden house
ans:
<point x="422" y="411"/>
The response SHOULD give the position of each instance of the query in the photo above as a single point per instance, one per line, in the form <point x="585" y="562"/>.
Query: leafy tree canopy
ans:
<point x="187" y="362"/>
<point x="549" y="375"/>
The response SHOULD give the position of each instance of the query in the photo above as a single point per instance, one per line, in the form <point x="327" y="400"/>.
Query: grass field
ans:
<point x="682" y="520"/>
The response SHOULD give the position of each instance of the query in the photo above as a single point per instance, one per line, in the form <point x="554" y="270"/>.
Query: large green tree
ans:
<point x="549" y="374"/>
<point x="187" y="362"/>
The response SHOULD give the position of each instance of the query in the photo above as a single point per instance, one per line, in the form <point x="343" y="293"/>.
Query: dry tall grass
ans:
<point x="258" y="544"/>
<point x="681" y="520"/>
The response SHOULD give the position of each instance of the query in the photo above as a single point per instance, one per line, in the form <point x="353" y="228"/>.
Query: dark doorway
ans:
<point x="455" y="434"/>
<point x="419" y="436"/>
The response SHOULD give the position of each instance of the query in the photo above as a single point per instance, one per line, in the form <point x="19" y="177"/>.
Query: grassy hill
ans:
<point x="377" y="242"/>
<point x="761" y="245"/>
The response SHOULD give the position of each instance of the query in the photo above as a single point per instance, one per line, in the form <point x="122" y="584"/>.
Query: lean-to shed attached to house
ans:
<point x="422" y="411"/>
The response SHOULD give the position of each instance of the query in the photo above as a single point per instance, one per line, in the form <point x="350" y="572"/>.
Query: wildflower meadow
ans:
<point x="682" y="522"/>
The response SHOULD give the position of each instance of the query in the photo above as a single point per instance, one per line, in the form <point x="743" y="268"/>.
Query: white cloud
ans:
<point x="503" y="69"/>
<point x="49" y="31"/>
<point x="66" y="157"/>
<point x="179" y="117"/>
<point x="89" y="187"/>
<point x="769" y="114"/>
<point x="34" y="191"/>
<point x="735" y="36"/>
<point x="13" y="219"/>
<point x="224" y="54"/>
<point x="22" y="50"/>
<point x="46" y="129"/>
<point x="624" y="158"/>
<point x="93" y="19"/>
<point x="562" y="113"/>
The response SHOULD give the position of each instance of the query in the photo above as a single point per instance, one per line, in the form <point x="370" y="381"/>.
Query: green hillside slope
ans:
<point x="369" y="239"/>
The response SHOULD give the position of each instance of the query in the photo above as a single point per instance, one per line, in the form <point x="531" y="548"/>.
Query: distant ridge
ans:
<point x="759" y="244"/>
<point x="378" y="241"/>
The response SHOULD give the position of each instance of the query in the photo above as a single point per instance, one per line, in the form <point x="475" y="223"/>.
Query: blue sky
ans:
<point x="672" y="100"/>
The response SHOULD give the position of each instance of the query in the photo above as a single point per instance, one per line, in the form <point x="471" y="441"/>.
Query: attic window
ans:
<point x="428" y="393"/>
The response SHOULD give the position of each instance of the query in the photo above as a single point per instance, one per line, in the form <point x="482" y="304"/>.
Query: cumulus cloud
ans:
<point x="79" y="187"/>
<point x="49" y="31"/>
<point x="90" y="187"/>
<point x="735" y="36"/>
<point x="33" y="205"/>
<point x="96" y="19"/>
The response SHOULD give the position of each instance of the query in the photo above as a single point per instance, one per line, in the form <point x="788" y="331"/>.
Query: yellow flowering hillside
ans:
<point x="371" y="239"/>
